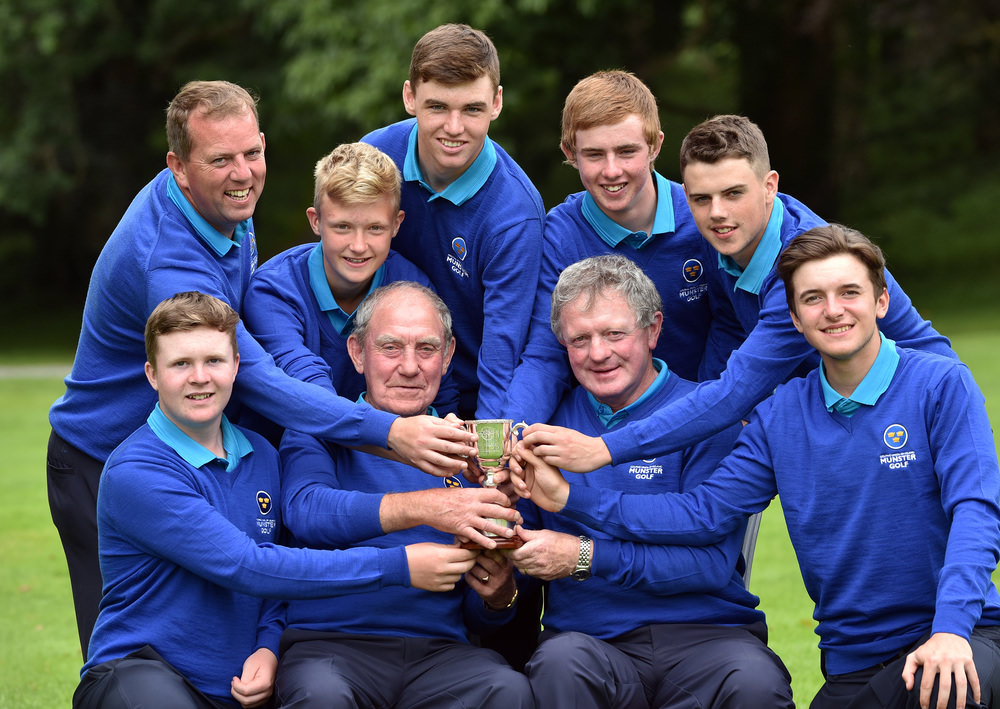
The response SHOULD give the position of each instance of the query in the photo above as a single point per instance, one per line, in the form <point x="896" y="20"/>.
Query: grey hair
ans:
<point x="363" y="315"/>
<point x="593" y="276"/>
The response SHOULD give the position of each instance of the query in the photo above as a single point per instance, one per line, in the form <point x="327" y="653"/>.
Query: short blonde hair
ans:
<point x="356" y="173"/>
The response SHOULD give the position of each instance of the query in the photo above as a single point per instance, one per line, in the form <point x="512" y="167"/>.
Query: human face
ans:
<point x="452" y="123"/>
<point x="223" y="176"/>
<point x="610" y="355"/>
<point x="193" y="376"/>
<point x="356" y="239"/>
<point x="836" y="308"/>
<point x="404" y="356"/>
<point x="615" y="164"/>
<point x="730" y="204"/>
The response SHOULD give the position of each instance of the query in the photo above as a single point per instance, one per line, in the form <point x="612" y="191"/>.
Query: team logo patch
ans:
<point x="692" y="270"/>
<point x="263" y="502"/>
<point x="458" y="246"/>
<point x="453" y="481"/>
<point x="895" y="436"/>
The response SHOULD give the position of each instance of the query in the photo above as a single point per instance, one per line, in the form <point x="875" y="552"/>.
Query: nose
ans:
<point x="716" y="210"/>
<point x="599" y="349"/>
<point x="198" y="373"/>
<point x="408" y="366"/>
<point x="358" y="244"/>
<point x="241" y="168"/>
<point x="612" y="167"/>
<point x="453" y="124"/>
<point x="834" y="308"/>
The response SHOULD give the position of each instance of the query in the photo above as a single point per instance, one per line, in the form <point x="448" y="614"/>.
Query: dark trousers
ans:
<point x="142" y="680"/>
<point x="681" y="666"/>
<point x="73" y="477"/>
<point x="881" y="686"/>
<point x="345" y="670"/>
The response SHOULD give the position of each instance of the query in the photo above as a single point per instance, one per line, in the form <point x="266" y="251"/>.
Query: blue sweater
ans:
<point x="893" y="512"/>
<point x="772" y="349"/>
<point x="637" y="583"/>
<point x="330" y="500"/>
<point x="282" y="312"/>
<point x="188" y="554"/>
<point x="676" y="258"/>
<point x="155" y="252"/>
<point x="482" y="253"/>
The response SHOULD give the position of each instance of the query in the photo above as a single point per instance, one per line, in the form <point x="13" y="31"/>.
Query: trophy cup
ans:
<point x="496" y="441"/>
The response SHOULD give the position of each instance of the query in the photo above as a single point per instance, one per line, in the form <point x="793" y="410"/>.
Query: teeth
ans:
<point x="837" y="330"/>
<point x="451" y="143"/>
<point x="725" y="230"/>
<point x="355" y="260"/>
<point x="238" y="194"/>
<point x="614" y="188"/>
<point x="199" y="397"/>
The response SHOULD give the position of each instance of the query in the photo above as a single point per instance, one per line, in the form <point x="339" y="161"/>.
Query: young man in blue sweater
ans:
<point x="473" y="218"/>
<point x="733" y="196"/>
<point x="300" y="305"/>
<point x="636" y="624"/>
<point x="189" y="521"/>
<point x="404" y="647"/>
<point x="887" y="470"/>
<point x="190" y="229"/>
<point x="611" y="135"/>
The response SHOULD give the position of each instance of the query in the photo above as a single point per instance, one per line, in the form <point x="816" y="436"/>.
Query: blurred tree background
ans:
<point x="879" y="113"/>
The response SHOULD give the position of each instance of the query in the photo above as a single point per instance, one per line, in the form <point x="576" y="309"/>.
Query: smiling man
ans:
<point x="191" y="229"/>
<point x="885" y="464"/>
<point x="611" y="135"/>
<point x="403" y="647"/>
<point x="733" y="196"/>
<point x="637" y="624"/>
<point x="301" y="304"/>
<point x="473" y="218"/>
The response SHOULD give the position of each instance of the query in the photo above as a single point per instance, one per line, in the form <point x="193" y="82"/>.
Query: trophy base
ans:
<point x="502" y="543"/>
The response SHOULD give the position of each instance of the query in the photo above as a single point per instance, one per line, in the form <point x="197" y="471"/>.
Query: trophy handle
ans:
<point x="517" y="427"/>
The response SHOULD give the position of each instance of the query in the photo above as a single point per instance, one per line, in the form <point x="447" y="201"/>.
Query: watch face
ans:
<point x="581" y="575"/>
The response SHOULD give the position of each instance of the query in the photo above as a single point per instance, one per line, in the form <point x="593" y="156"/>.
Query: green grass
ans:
<point x="39" y="652"/>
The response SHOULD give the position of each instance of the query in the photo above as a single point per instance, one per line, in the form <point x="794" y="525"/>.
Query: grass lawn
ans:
<point x="39" y="652"/>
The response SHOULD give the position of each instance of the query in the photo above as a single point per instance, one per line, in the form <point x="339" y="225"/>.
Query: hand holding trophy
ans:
<point x="496" y="441"/>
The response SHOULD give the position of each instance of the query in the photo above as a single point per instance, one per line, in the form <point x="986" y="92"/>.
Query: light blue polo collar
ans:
<point x="467" y="184"/>
<point x="236" y="444"/>
<point x="218" y="242"/>
<point x="871" y="387"/>
<point x="343" y="322"/>
<point x="762" y="262"/>
<point x="609" y="418"/>
<point x="613" y="234"/>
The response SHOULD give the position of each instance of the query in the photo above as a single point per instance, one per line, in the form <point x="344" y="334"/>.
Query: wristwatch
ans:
<point x="583" y="562"/>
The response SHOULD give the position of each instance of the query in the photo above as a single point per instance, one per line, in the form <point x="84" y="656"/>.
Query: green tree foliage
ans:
<point x="876" y="113"/>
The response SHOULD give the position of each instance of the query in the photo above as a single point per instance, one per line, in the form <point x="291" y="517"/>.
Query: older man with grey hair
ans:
<point x="630" y="624"/>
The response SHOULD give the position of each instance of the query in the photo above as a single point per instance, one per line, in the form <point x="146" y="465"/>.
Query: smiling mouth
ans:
<point x="238" y="194"/>
<point x="837" y="330"/>
<point x="199" y="397"/>
<point x="613" y="189"/>
<point x="357" y="261"/>
<point x="452" y="143"/>
<point x="723" y="230"/>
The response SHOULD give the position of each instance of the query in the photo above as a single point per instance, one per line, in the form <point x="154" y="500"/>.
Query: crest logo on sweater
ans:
<point x="692" y="270"/>
<point x="453" y="481"/>
<point x="263" y="502"/>
<point x="455" y="259"/>
<point x="895" y="436"/>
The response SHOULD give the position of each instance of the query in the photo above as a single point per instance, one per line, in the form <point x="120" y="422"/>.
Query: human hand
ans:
<point x="498" y="589"/>
<point x="465" y="512"/>
<point x="433" y="445"/>
<point x="438" y="567"/>
<point x="943" y="656"/>
<point x="256" y="685"/>
<point x="546" y="554"/>
<point x="567" y="449"/>
<point x="541" y="482"/>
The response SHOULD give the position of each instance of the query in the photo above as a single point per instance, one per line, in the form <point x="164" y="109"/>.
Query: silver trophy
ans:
<point x="496" y="442"/>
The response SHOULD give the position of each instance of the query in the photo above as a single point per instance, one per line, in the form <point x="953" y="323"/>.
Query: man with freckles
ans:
<point x="630" y="623"/>
<point x="887" y="470"/>
<point x="399" y="647"/>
